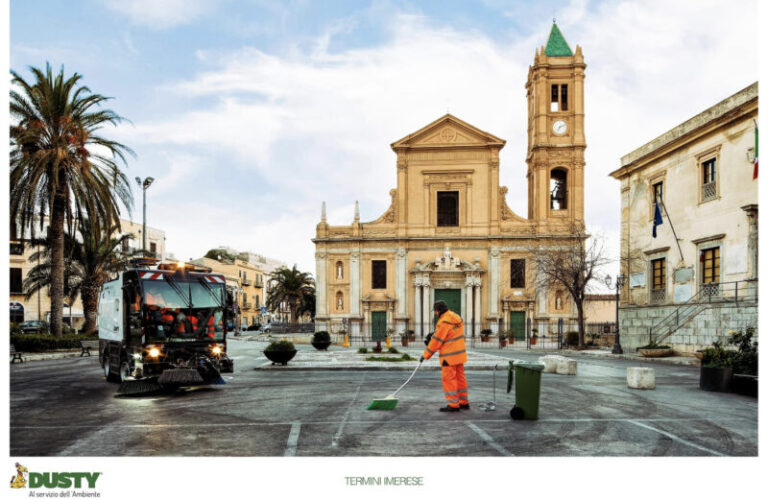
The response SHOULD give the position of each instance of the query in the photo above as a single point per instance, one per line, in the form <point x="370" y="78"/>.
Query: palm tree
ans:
<point x="292" y="287"/>
<point x="60" y="167"/>
<point x="90" y="261"/>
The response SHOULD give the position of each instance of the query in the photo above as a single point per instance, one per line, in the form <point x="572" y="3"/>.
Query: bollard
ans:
<point x="641" y="378"/>
<point x="346" y="340"/>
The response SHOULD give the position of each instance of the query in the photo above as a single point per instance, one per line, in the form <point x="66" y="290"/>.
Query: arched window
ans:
<point x="339" y="270"/>
<point x="558" y="188"/>
<point x="339" y="301"/>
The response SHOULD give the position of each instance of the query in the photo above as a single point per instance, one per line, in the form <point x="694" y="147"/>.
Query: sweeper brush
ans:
<point x="140" y="387"/>
<point x="181" y="376"/>
<point x="390" y="402"/>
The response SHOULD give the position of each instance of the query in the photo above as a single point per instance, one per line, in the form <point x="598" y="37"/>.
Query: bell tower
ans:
<point x="555" y="157"/>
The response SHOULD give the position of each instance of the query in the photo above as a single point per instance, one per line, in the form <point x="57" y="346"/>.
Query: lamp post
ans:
<point x="144" y="185"/>
<point x="620" y="279"/>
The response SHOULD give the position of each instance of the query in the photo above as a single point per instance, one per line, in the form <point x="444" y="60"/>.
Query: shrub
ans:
<point x="485" y="331"/>
<point x="362" y="350"/>
<point x="392" y="350"/>
<point x="253" y="327"/>
<point x="653" y="345"/>
<point x="745" y="360"/>
<point x="321" y="336"/>
<point x="43" y="342"/>
<point x="717" y="356"/>
<point x="280" y="346"/>
<point x="15" y="328"/>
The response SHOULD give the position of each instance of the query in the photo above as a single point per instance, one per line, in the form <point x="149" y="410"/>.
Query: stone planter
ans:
<point x="321" y="345"/>
<point x="533" y="340"/>
<point x="404" y="341"/>
<point x="502" y="343"/>
<point x="655" y="353"/>
<point x="715" y="379"/>
<point x="280" y="357"/>
<point x="746" y="385"/>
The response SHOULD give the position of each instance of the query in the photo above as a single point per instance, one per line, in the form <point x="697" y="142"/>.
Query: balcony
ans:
<point x="246" y="282"/>
<point x="247" y="305"/>
<point x="259" y="283"/>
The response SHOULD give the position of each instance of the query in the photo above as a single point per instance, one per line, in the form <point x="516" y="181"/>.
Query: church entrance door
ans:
<point x="452" y="297"/>
<point x="378" y="325"/>
<point x="517" y="324"/>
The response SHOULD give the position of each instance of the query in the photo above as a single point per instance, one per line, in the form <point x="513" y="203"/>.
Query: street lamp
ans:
<point x="620" y="279"/>
<point x="144" y="185"/>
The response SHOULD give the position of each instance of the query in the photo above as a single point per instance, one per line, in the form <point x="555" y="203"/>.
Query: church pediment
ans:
<point x="448" y="131"/>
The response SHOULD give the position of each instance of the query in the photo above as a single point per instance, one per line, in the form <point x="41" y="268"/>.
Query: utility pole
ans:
<point x="144" y="185"/>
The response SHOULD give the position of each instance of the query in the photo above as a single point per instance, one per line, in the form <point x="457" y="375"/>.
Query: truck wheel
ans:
<point x="109" y="374"/>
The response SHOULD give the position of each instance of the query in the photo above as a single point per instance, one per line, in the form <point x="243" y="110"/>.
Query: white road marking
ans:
<point x="678" y="439"/>
<point x="337" y="436"/>
<point x="488" y="439"/>
<point x="293" y="440"/>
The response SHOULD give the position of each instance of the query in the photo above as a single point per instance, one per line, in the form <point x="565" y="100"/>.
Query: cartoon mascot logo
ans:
<point x="19" y="481"/>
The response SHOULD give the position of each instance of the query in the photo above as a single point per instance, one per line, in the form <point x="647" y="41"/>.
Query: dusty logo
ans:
<point x="19" y="480"/>
<point x="49" y="480"/>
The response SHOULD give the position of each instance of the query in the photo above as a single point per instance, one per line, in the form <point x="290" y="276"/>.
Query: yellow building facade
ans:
<point x="449" y="234"/>
<point x="246" y="281"/>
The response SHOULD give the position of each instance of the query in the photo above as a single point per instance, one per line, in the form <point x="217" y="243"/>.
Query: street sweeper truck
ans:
<point x="163" y="327"/>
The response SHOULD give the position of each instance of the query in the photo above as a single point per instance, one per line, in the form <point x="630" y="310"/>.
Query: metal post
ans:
<point x="617" y="344"/>
<point x="144" y="226"/>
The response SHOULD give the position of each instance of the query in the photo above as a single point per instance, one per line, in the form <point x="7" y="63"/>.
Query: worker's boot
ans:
<point x="464" y="406"/>
<point x="449" y="409"/>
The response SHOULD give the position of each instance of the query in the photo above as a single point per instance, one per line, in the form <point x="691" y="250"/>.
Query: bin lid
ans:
<point x="530" y="365"/>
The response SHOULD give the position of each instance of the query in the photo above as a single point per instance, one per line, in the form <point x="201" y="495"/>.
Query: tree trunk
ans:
<point x="56" y="241"/>
<point x="90" y="296"/>
<point x="580" y="310"/>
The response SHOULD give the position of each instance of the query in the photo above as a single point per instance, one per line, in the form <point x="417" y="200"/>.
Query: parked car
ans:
<point x="34" y="326"/>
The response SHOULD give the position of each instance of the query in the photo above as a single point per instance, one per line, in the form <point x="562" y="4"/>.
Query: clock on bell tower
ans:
<point x="555" y="157"/>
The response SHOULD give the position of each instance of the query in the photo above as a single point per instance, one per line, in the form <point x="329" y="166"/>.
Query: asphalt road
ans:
<point x="65" y="408"/>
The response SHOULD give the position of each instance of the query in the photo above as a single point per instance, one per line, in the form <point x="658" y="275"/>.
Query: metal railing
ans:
<point x="560" y="335"/>
<point x="707" y="294"/>
<point x="708" y="191"/>
<point x="658" y="296"/>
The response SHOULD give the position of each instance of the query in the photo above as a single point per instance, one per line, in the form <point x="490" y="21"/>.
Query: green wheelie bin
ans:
<point x="527" y="389"/>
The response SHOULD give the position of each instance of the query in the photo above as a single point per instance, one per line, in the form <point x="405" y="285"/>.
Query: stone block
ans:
<point x="566" y="366"/>
<point x="550" y="362"/>
<point x="641" y="377"/>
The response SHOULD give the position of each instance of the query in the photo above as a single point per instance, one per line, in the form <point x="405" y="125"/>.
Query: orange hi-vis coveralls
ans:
<point x="448" y="340"/>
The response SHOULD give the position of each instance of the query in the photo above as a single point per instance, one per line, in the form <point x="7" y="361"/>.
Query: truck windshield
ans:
<point x="168" y="316"/>
<point x="161" y="294"/>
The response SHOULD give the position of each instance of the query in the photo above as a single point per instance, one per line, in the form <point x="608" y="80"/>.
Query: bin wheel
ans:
<point x="517" y="413"/>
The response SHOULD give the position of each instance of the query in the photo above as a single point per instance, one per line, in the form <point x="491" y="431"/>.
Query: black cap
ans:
<point x="440" y="307"/>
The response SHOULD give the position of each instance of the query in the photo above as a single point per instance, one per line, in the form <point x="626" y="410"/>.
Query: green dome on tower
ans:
<point x="556" y="45"/>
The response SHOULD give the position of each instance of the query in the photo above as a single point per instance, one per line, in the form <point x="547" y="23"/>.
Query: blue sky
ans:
<point x="251" y="113"/>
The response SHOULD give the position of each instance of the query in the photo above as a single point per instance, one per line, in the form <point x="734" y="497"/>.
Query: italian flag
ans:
<point x="754" y="174"/>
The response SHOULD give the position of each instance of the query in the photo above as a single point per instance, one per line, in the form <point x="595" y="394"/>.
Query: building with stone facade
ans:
<point x="449" y="234"/>
<point x="38" y="306"/>
<point x="696" y="279"/>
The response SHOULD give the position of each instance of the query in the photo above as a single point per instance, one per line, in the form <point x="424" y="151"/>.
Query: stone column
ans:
<point x="478" y="311"/>
<point x="469" y="300"/>
<point x="354" y="283"/>
<point x="426" y="303"/>
<point x="751" y="211"/>
<point x="321" y="304"/>
<point x="494" y="269"/>
<point x="417" y="307"/>
<point x="401" y="287"/>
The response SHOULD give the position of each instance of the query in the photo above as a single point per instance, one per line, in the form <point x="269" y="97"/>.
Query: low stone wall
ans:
<point x="711" y="323"/>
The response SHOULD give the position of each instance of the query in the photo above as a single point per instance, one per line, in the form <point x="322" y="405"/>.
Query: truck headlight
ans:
<point x="154" y="352"/>
<point x="216" y="350"/>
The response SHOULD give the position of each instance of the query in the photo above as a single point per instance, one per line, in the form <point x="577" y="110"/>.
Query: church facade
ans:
<point x="449" y="234"/>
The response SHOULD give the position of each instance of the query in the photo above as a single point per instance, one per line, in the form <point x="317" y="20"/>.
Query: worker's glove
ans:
<point x="429" y="337"/>
<point x="421" y="359"/>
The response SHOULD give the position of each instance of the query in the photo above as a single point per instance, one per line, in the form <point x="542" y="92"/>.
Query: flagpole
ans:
<point x="661" y="202"/>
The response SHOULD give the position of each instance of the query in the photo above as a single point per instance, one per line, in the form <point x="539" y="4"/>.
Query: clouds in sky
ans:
<point x="253" y="139"/>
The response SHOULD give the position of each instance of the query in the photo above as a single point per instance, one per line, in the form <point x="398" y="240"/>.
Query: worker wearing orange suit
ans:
<point x="448" y="340"/>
